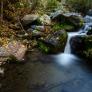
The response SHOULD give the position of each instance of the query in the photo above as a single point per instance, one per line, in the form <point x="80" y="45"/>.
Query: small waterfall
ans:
<point x="83" y="31"/>
<point x="67" y="49"/>
<point x="67" y="58"/>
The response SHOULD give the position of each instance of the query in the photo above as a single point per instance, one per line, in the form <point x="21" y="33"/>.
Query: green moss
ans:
<point x="88" y="53"/>
<point x="59" y="46"/>
<point x="64" y="26"/>
<point x="43" y="47"/>
<point x="88" y="42"/>
<point x="88" y="47"/>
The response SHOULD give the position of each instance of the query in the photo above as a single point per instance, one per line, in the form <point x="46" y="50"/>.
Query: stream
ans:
<point x="64" y="72"/>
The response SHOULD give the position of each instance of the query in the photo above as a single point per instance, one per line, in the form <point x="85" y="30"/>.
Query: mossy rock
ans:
<point x="65" y="26"/>
<point x="88" y="47"/>
<point x="82" y="46"/>
<point x="53" y="43"/>
<point x="71" y="18"/>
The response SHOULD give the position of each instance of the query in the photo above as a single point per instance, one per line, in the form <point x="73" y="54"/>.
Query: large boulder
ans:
<point x="29" y="19"/>
<point x="82" y="46"/>
<point x="12" y="50"/>
<point x="32" y="19"/>
<point x="77" y="44"/>
<point x="70" y="18"/>
<point x="56" y="14"/>
<point x="53" y="43"/>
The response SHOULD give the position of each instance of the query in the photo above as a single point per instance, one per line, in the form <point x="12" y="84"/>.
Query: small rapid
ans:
<point x="67" y="57"/>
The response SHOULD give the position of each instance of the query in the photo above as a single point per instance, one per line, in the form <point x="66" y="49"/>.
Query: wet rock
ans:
<point x="77" y="44"/>
<point x="53" y="43"/>
<point x="82" y="46"/>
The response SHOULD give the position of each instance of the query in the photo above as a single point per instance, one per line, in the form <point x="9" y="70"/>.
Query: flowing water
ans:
<point x="67" y="57"/>
<point x="42" y="73"/>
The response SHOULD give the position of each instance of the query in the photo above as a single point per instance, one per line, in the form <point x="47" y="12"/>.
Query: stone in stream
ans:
<point x="82" y="46"/>
<point x="77" y="44"/>
<point x="15" y="49"/>
<point x="53" y="43"/>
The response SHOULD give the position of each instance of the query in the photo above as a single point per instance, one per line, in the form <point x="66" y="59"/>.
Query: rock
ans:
<point x="53" y="43"/>
<point x="45" y="20"/>
<point x="56" y="14"/>
<point x="88" y="47"/>
<point x="77" y="44"/>
<point x="37" y="34"/>
<point x="70" y="18"/>
<point x="82" y="46"/>
<point x="89" y="13"/>
<point x="89" y="32"/>
<point x="28" y="19"/>
<point x="15" y="49"/>
<point x="39" y="31"/>
<point x="40" y="28"/>
<point x="67" y="27"/>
